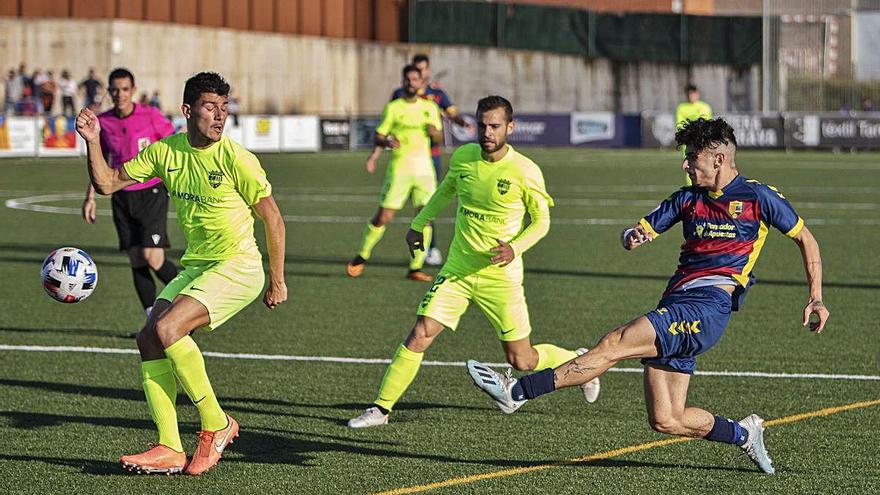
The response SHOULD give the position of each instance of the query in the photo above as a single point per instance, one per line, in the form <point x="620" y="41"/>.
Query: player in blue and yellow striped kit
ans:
<point x="725" y="219"/>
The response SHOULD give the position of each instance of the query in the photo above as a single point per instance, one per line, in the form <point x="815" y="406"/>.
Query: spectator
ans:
<point x="26" y="81"/>
<point x="47" y="92"/>
<point x="144" y="100"/>
<point x="14" y="88"/>
<point x="233" y="108"/>
<point x="37" y="80"/>
<point x="154" y="101"/>
<point x="868" y="105"/>
<point x="91" y="86"/>
<point x="68" y="91"/>
<point x="27" y="106"/>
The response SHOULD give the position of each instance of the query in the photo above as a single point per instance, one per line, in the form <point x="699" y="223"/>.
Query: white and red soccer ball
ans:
<point x="69" y="275"/>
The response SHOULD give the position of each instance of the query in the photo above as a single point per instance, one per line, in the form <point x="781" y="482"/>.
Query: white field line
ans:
<point x="347" y="360"/>
<point x="32" y="203"/>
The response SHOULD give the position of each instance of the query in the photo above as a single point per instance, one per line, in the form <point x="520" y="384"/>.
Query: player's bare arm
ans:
<point x="634" y="237"/>
<point x="268" y="211"/>
<point x="89" y="208"/>
<point x="813" y="268"/>
<point x="104" y="179"/>
<point x="371" y="160"/>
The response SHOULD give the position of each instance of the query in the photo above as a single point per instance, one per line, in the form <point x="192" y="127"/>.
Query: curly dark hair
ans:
<point x="204" y="82"/>
<point x="701" y="134"/>
<point x="494" y="101"/>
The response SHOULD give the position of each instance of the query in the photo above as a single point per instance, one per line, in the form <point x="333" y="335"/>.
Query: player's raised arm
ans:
<point x="813" y="267"/>
<point x="104" y="179"/>
<point x="268" y="211"/>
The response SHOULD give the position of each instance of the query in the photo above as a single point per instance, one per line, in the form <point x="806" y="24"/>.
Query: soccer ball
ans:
<point x="69" y="275"/>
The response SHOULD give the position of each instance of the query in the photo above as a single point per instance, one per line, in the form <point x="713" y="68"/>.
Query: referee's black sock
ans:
<point x="144" y="285"/>
<point x="166" y="272"/>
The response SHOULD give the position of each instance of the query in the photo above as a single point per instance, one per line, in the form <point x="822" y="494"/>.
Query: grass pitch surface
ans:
<point x="66" y="417"/>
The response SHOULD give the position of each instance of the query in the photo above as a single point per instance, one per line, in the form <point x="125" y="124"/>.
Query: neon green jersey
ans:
<point x="408" y="122"/>
<point x="212" y="189"/>
<point x="691" y="111"/>
<point x="493" y="198"/>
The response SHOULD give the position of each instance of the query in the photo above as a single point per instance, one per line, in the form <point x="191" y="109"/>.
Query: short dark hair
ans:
<point x="690" y="87"/>
<point x="120" y="73"/>
<point x="204" y="82"/>
<point x="410" y="68"/>
<point x="419" y="58"/>
<point x="494" y="101"/>
<point x="701" y="134"/>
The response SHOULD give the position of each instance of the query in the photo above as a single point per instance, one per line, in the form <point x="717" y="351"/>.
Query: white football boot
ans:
<point x="754" y="447"/>
<point x="496" y="385"/>
<point x="591" y="388"/>
<point x="371" y="417"/>
<point x="434" y="258"/>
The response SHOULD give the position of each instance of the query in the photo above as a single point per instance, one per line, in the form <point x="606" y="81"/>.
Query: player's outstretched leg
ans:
<point x="632" y="340"/>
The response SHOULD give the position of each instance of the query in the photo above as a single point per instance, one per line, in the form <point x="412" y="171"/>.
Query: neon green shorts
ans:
<point x="224" y="287"/>
<point x="399" y="187"/>
<point x="502" y="301"/>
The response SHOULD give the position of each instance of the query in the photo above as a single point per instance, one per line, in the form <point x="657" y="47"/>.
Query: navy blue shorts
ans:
<point x="687" y="324"/>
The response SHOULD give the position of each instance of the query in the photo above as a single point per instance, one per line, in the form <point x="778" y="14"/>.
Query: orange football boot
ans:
<point x="355" y="271"/>
<point x="158" y="460"/>
<point x="419" y="276"/>
<point x="211" y="447"/>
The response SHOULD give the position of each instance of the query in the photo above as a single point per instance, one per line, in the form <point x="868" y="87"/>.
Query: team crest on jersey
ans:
<point x="503" y="186"/>
<point x="735" y="208"/>
<point x="215" y="178"/>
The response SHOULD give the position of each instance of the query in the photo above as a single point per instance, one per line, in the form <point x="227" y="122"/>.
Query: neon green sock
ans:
<point x="189" y="367"/>
<point x="372" y="236"/>
<point x="160" y="387"/>
<point x="551" y="356"/>
<point x="400" y="373"/>
<point x="418" y="261"/>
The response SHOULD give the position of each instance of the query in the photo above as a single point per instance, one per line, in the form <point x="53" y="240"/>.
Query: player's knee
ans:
<point x="610" y="343"/>
<point x="419" y="338"/>
<point x="521" y="362"/>
<point x="155" y="258"/>
<point x="167" y="331"/>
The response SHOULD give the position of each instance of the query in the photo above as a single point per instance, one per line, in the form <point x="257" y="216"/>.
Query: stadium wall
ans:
<point x="287" y="74"/>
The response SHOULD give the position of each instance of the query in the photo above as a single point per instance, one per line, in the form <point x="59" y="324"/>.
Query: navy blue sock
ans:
<point x="727" y="431"/>
<point x="534" y="385"/>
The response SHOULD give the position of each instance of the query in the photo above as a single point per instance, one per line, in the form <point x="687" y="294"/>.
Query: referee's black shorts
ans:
<point x="141" y="217"/>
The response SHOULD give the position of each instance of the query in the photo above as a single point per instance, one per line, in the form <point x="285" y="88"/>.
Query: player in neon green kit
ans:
<point x="496" y="186"/>
<point x="215" y="184"/>
<point x="408" y="126"/>
<point x="689" y="111"/>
